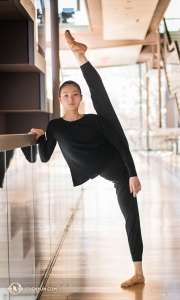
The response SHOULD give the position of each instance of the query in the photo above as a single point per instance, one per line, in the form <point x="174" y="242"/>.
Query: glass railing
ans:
<point x="37" y="201"/>
<point x="173" y="26"/>
<point x="170" y="54"/>
<point x="163" y="140"/>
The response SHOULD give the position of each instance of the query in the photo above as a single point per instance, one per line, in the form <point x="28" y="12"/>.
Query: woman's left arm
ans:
<point x="46" y="144"/>
<point x="117" y="141"/>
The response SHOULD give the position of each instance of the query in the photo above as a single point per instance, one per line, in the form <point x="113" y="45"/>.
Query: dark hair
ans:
<point x="69" y="82"/>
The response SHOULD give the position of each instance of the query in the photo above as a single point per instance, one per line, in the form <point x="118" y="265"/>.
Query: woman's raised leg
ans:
<point x="100" y="98"/>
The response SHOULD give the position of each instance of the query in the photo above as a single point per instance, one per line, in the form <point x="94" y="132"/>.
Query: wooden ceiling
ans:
<point x="107" y="31"/>
<point x="104" y="57"/>
<point x="127" y="19"/>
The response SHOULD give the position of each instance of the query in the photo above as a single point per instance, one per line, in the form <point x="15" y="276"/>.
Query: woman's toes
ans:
<point x="74" y="46"/>
<point x="68" y="37"/>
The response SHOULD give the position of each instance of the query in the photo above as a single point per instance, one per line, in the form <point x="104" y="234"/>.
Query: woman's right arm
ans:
<point x="46" y="143"/>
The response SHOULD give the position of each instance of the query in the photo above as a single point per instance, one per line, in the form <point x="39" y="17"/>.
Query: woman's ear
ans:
<point x="59" y="99"/>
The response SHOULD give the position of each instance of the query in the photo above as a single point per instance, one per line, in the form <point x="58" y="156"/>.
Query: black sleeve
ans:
<point x="30" y="152"/>
<point x="46" y="144"/>
<point x="118" y="142"/>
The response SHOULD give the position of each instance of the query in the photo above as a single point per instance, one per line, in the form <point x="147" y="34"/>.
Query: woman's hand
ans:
<point x="38" y="132"/>
<point x="134" y="185"/>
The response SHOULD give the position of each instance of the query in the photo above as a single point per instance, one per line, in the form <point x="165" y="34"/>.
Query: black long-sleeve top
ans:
<point x="88" y="146"/>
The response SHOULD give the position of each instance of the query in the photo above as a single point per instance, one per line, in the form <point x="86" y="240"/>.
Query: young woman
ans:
<point x="95" y="145"/>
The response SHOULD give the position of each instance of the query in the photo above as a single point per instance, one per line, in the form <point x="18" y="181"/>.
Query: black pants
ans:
<point x="118" y="174"/>
<point x="116" y="170"/>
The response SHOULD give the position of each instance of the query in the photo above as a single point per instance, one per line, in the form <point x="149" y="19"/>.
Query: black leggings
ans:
<point x="116" y="171"/>
<point x="118" y="174"/>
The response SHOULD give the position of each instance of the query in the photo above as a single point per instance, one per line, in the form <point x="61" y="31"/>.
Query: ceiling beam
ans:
<point x="96" y="41"/>
<point x="158" y="15"/>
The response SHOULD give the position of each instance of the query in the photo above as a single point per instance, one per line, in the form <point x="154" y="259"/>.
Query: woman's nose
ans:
<point x="71" y="98"/>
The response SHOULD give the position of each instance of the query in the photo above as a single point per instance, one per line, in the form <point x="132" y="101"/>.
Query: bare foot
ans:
<point x="136" y="279"/>
<point x="74" y="46"/>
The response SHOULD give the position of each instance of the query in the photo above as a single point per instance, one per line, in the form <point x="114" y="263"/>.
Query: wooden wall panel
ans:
<point x="14" y="42"/>
<point x="23" y="122"/>
<point x="20" y="91"/>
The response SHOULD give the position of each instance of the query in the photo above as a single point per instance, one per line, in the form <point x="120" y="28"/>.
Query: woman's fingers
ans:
<point x="134" y="191"/>
<point x="31" y="132"/>
<point x="130" y="187"/>
<point x="38" y="132"/>
<point x="135" y="185"/>
<point x="34" y="131"/>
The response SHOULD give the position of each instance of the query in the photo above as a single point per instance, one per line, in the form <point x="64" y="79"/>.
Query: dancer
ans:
<point x="95" y="145"/>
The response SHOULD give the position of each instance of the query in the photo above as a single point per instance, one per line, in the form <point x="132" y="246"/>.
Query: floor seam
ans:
<point x="56" y="253"/>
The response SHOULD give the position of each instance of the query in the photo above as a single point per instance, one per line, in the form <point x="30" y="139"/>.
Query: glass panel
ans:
<point x="41" y="218"/>
<point x="37" y="203"/>
<point x="21" y="224"/>
<point x="63" y="200"/>
<point x="61" y="196"/>
<point x="4" y="263"/>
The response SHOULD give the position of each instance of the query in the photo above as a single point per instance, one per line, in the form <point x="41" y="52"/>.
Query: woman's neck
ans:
<point x="72" y="116"/>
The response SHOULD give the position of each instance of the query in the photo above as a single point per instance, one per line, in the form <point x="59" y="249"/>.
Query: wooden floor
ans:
<point x="95" y="258"/>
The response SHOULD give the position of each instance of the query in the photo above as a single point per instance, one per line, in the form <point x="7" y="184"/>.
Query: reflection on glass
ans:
<point x="21" y="221"/>
<point x="5" y="160"/>
<point x="4" y="257"/>
<point x="30" y="153"/>
<point x="37" y="201"/>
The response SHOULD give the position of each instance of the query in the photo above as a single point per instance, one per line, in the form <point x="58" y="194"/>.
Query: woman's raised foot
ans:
<point x="74" y="46"/>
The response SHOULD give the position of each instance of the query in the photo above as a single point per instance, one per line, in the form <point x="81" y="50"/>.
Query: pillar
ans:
<point x="55" y="56"/>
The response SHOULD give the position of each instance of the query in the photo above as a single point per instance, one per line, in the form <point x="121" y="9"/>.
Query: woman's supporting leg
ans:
<point x="117" y="173"/>
<point x="100" y="98"/>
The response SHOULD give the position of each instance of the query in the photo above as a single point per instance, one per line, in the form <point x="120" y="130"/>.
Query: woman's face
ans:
<point x="70" y="97"/>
